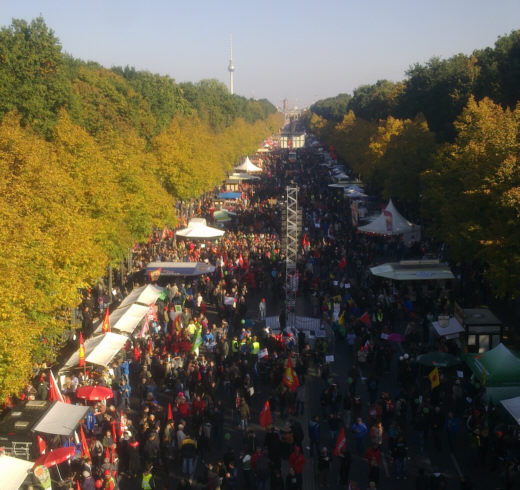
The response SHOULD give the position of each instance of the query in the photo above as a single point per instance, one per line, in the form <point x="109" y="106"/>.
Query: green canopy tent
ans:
<point x="438" y="359"/>
<point x="496" y="394"/>
<point x="496" y="367"/>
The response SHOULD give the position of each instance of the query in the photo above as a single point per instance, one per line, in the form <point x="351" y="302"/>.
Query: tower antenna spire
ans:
<point x="231" y="67"/>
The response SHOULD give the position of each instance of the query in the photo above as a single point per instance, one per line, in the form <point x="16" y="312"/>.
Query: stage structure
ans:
<point x="291" y="230"/>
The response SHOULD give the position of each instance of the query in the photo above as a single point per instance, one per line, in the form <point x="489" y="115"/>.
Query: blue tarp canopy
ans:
<point x="229" y="195"/>
<point x="180" y="268"/>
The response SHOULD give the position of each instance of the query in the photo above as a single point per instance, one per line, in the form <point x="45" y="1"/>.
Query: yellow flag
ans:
<point x="434" y="378"/>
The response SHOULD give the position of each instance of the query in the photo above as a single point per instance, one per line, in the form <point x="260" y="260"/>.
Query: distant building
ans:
<point x="285" y="106"/>
<point x="292" y="136"/>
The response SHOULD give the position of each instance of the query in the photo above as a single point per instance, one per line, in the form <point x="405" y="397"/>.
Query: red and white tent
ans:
<point x="391" y="222"/>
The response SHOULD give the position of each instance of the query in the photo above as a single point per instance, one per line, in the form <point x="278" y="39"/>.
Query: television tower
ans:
<point x="231" y="67"/>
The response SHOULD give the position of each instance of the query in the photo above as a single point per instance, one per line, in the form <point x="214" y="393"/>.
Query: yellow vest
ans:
<point x="145" y="483"/>
<point x="256" y="348"/>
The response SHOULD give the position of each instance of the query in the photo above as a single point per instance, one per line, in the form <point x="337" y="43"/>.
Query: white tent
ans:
<point x="99" y="350"/>
<point x="14" y="471"/>
<point x="61" y="419"/>
<point x="197" y="228"/>
<point x="145" y="295"/>
<point x="248" y="166"/>
<point x="125" y="319"/>
<point x="390" y="222"/>
<point x="413" y="270"/>
<point x="512" y="405"/>
<point x="239" y="176"/>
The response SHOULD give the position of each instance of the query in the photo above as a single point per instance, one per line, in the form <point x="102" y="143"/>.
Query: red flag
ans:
<point x="114" y="435"/>
<point x="241" y="261"/>
<point x="365" y="318"/>
<point x="77" y="485"/>
<point x="42" y="445"/>
<point x="137" y="353"/>
<point x="170" y="413"/>
<point x="105" y="327"/>
<point x="305" y="241"/>
<point x="290" y="379"/>
<point x="165" y="233"/>
<point x="107" y="454"/>
<point x="265" y="418"/>
<point x="54" y="391"/>
<point x="341" y="442"/>
<point x="85" y="452"/>
<point x="81" y="351"/>
<point x="150" y="347"/>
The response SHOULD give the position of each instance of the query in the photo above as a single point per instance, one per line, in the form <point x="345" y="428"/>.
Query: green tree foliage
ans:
<point x="378" y="101"/>
<point x="31" y="74"/>
<point x="500" y="71"/>
<point x="439" y="90"/>
<point x="333" y="108"/>
<point x="472" y="192"/>
<point x="91" y="160"/>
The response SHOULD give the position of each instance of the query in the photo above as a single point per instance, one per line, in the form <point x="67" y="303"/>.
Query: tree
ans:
<point x="472" y="192"/>
<point x="31" y="74"/>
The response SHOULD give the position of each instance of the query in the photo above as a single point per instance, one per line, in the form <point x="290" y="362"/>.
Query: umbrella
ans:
<point x="439" y="359"/>
<point x="94" y="393"/>
<point x="56" y="456"/>
<point x="395" y="337"/>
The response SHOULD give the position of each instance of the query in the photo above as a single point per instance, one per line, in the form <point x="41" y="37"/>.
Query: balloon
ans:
<point x="227" y="436"/>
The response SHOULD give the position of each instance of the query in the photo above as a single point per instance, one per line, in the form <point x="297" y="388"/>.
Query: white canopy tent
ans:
<point x="100" y="349"/>
<point x="145" y="295"/>
<point x="125" y="319"/>
<point x="449" y="328"/>
<point x="14" y="471"/>
<point x="512" y="405"/>
<point x="248" y="166"/>
<point x="198" y="229"/>
<point x="61" y="419"/>
<point x="239" y="176"/>
<point x="390" y="222"/>
<point x="413" y="270"/>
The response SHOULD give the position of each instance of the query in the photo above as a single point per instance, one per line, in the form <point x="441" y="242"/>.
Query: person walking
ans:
<point x="373" y="457"/>
<point x="314" y="434"/>
<point x="262" y="310"/>
<point x="359" y="430"/>
<point x="188" y="453"/>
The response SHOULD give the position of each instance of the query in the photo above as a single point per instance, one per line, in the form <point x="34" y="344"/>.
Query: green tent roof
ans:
<point x="497" y="367"/>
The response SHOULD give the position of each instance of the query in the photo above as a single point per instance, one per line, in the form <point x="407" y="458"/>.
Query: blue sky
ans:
<point x="303" y="50"/>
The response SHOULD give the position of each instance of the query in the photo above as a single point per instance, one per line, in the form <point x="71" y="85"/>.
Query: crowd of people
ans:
<point x="188" y="388"/>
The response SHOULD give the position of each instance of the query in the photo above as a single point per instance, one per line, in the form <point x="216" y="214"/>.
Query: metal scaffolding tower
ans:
<point x="291" y="228"/>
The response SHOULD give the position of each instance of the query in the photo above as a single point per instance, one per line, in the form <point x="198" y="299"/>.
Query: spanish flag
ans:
<point x="81" y="351"/>
<point x="434" y="378"/>
<point x="106" y="322"/>
<point x="290" y="379"/>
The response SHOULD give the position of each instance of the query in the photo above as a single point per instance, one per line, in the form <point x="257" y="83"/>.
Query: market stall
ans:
<point x="180" y="269"/>
<point x="390" y="223"/>
<point x="248" y="166"/>
<point x="496" y="367"/>
<point x="99" y="350"/>
<point x="144" y="295"/>
<point x="413" y="270"/>
<point x="197" y="229"/>
<point x="61" y="419"/>
<point x="14" y="471"/>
